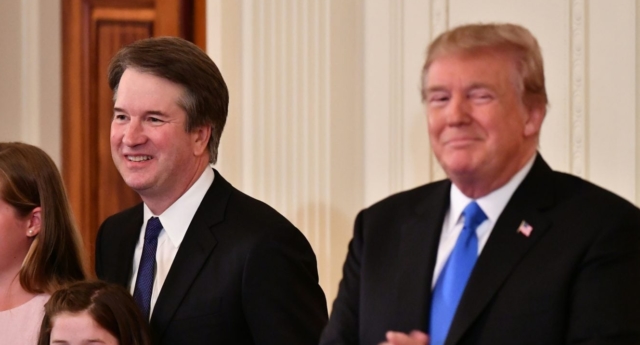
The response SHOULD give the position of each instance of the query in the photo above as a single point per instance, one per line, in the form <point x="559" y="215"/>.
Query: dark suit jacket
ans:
<point x="575" y="280"/>
<point x="242" y="275"/>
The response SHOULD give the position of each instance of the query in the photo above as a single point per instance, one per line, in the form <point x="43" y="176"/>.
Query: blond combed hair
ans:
<point x="509" y="38"/>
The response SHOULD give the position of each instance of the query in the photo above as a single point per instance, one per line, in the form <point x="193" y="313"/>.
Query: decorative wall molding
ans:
<point x="439" y="17"/>
<point x="285" y="112"/>
<point x="36" y="83"/>
<point x="578" y="106"/>
<point x="439" y="24"/>
<point x="30" y="72"/>
<point x="637" y="49"/>
<point x="296" y="129"/>
<point x="396" y="92"/>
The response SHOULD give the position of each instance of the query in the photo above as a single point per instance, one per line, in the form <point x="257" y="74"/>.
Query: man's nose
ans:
<point x="458" y="112"/>
<point x="134" y="134"/>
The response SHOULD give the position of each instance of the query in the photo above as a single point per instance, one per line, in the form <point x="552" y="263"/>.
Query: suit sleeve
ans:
<point x="605" y="304"/>
<point x="343" y="327"/>
<point x="282" y="300"/>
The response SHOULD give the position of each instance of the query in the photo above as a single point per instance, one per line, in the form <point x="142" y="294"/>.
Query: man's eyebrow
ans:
<point x="435" y="88"/>
<point x="149" y="112"/>
<point x="475" y="86"/>
<point x="155" y="112"/>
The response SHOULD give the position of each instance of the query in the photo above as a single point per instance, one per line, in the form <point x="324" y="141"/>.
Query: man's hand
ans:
<point x="413" y="338"/>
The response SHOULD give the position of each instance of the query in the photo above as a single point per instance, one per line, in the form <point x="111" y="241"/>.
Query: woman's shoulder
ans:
<point x="36" y="303"/>
<point x="20" y="325"/>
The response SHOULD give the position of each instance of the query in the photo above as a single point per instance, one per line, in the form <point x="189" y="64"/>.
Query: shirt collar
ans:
<point x="491" y="204"/>
<point x="173" y="218"/>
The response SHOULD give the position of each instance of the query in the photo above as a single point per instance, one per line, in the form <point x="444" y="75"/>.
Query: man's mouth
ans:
<point x="137" y="158"/>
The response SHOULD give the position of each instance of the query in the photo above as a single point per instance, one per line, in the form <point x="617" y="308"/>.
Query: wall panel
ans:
<point x="637" y="112"/>
<point x="295" y="117"/>
<point x="30" y="69"/>
<point x="10" y="70"/>
<point x="612" y="91"/>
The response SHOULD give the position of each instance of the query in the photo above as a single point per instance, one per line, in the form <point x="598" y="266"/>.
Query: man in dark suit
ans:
<point x="206" y="263"/>
<point x="505" y="251"/>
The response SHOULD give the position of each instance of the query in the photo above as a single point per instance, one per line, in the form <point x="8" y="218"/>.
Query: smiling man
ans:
<point x="506" y="250"/>
<point x="206" y="263"/>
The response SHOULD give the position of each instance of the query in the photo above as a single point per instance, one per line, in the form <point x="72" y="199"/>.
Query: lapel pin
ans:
<point x="525" y="229"/>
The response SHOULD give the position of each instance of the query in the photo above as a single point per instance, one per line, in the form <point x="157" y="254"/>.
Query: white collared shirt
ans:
<point x="175" y="222"/>
<point x="491" y="204"/>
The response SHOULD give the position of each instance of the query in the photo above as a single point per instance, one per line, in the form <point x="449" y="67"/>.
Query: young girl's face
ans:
<point x="79" y="329"/>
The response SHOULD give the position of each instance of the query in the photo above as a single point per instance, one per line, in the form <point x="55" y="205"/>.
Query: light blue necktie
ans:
<point x="455" y="274"/>
<point x="144" y="281"/>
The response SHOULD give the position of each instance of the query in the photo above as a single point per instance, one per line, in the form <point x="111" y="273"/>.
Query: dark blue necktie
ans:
<point x="144" y="281"/>
<point x="454" y="275"/>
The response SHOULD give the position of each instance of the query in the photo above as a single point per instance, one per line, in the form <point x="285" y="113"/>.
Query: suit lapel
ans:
<point x="127" y="247"/>
<point x="505" y="247"/>
<point x="419" y="247"/>
<point x="196" y="247"/>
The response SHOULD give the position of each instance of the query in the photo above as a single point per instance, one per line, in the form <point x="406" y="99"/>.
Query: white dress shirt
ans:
<point x="175" y="222"/>
<point x="491" y="204"/>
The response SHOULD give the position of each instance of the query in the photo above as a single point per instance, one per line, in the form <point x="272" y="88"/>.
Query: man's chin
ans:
<point x="459" y="169"/>
<point x="137" y="185"/>
<point x="461" y="162"/>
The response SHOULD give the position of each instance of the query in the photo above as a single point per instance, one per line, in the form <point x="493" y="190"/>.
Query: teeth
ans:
<point x="138" y="158"/>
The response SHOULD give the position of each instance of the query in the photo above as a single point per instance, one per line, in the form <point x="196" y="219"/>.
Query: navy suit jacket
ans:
<point x="242" y="275"/>
<point x="574" y="280"/>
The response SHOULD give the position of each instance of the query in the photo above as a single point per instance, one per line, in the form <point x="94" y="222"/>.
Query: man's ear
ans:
<point x="201" y="137"/>
<point x="34" y="222"/>
<point x="533" y="122"/>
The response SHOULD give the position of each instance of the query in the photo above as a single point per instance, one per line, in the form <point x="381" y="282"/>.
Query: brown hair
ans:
<point x="206" y="99"/>
<point x="111" y="306"/>
<point x="509" y="38"/>
<point x="30" y="179"/>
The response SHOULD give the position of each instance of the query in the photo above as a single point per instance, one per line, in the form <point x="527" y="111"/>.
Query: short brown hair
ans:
<point x="510" y="38"/>
<point x="109" y="305"/>
<point x="206" y="98"/>
<point x="30" y="179"/>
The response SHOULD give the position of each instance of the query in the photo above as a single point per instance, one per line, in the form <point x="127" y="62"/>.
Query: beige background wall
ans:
<point x="30" y="95"/>
<point x="326" y="116"/>
<point x="295" y="133"/>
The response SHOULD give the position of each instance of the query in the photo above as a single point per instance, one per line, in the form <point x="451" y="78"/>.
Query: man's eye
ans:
<point x="119" y="117"/>
<point x="481" y="96"/>
<point x="438" y="99"/>
<point x="155" y="120"/>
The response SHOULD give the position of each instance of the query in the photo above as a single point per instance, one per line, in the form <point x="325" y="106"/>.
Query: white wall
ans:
<point x="294" y="136"/>
<point x="326" y="115"/>
<point x="30" y="64"/>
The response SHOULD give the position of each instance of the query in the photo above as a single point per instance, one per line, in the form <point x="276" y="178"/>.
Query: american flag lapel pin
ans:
<point x="525" y="229"/>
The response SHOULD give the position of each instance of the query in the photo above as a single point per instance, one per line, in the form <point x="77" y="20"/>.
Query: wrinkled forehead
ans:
<point x="471" y="62"/>
<point x="510" y="56"/>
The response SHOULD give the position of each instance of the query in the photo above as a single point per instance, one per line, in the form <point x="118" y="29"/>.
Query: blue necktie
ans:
<point x="144" y="281"/>
<point x="454" y="275"/>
